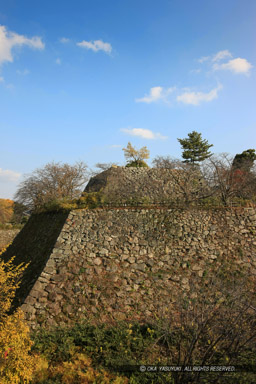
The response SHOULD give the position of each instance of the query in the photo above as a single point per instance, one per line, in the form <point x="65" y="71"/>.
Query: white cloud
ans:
<point x="23" y="72"/>
<point x="156" y="94"/>
<point x="236" y="66"/>
<point x="9" y="40"/>
<point x="58" y="61"/>
<point x="96" y="45"/>
<point x="217" y="57"/>
<point x="10" y="86"/>
<point x="196" y="98"/>
<point x="195" y="70"/>
<point x="221" y="55"/>
<point x="144" y="133"/>
<point x="8" y="175"/>
<point x="203" y="59"/>
<point x="64" y="40"/>
<point x="115" y="146"/>
<point x="1" y="79"/>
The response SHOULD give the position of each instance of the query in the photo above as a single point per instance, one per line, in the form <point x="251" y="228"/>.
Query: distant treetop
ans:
<point x="135" y="157"/>
<point x="55" y="181"/>
<point x="244" y="160"/>
<point x="195" y="149"/>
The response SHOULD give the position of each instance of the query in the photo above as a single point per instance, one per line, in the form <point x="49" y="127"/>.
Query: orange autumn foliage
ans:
<point x="6" y="210"/>
<point x="78" y="370"/>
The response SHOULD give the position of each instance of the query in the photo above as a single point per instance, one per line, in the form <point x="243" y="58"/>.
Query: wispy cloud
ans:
<point x="10" y="87"/>
<point x="1" y="79"/>
<point x="115" y="146"/>
<point x="23" y="72"/>
<point x="221" y="55"/>
<point x="144" y="133"/>
<point x="203" y="59"/>
<point x="58" y="61"/>
<point x="156" y="94"/>
<point x="236" y="66"/>
<point x="64" y="40"/>
<point x="196" y="70"/>
<point x="196" y="98"/>
<point x="96" y="45"/>
<point x="216" y="57"/>
<point x="8" y="175"/>
<point x="9" y="40"/>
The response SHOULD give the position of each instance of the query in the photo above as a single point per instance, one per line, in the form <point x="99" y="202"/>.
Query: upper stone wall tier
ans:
<point x="137" y="184"/>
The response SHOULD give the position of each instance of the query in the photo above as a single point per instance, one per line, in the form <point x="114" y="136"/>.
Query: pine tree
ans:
<point x="244" y="161"/>
<point x="195" y="149"/>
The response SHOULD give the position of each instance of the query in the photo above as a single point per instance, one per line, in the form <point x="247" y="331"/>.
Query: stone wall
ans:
<point x="125" y="263"/>
<point x="153" y="185"/>
<point x="33" y="246"/>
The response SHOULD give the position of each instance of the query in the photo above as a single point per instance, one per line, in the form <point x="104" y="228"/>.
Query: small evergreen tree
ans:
<point x="195" y="149"/>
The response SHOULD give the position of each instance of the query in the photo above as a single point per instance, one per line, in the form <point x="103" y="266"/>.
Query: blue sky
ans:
<point x="79" y="79"/>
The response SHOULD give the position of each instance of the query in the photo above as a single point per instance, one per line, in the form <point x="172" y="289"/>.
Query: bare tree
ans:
<point x="228" y="181"/>
<point x="52" y="182"/>
<point x="213" y="323"/>
<point x="187" y="179"/>
<point x="166" y="162"/>
<point x="101" y="167"/>
<point x="105" y="166"/>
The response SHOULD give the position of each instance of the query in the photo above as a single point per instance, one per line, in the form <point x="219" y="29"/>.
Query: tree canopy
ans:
<point x="135" y="157"/>
<point x="195" y="149"/>
<point x="55" y="181"/>
<point x="244" y="160"/>
<point x="6" y="210"/>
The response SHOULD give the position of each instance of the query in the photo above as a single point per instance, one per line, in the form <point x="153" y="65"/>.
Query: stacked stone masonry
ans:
<point x="124" y="263"/>
<point x="151" y="185"/>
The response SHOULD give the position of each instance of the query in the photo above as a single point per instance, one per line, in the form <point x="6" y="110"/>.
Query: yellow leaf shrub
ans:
<point x="76" y="371"/>
<point x="9" y="282"/>
<point x="16" y="364"/>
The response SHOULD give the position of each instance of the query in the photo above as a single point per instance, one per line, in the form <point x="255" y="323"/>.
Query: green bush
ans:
<point x="86" y="201"/>
<point x="58" y="205"/>
<point x="210" y="202"/>
<point x="11" y="226"/>
<point x="137" y="164"/>
<point x="91" y="200"/>
<point x="109" y="347"/>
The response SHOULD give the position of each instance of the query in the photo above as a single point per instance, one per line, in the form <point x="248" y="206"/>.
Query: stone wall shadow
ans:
<point x="33" y="246"/>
